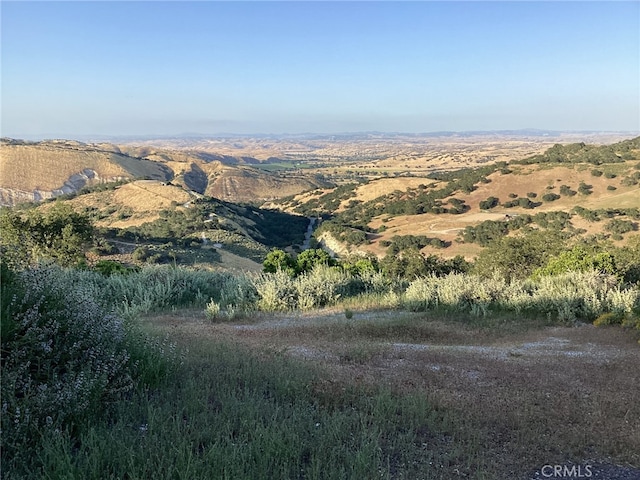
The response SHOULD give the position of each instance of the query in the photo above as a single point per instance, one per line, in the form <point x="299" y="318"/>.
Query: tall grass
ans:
<point x="567" y="297"/>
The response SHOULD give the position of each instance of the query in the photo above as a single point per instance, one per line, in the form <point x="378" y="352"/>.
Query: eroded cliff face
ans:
<point x="242" y="184"/>
<point x="77" y="181"/>
<point x="35" y="171"/>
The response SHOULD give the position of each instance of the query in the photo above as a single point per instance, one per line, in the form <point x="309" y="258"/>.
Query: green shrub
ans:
<point x="578" y="259"/>
<point x="611" y="187"/>
<point x="596" y="173"/>
<point x="550" y="197"/>
<point x="620" y="226"/>
<point x="279" y="260"/>
<point x="212" y="312"/>
<point x="140" y="254"/>
<point x="629" y="181"/>
<point x="276" y="291"/>
<point x="517" y="257"/>
<point x="526" y="203"/>
<point x="110" y="267"/>
<point x="63" y="359"/>
<point x="103" y="247"/>
<point x="585" y="189"/>
<point x="566" y="191"/>
<point x="307" y="260"/>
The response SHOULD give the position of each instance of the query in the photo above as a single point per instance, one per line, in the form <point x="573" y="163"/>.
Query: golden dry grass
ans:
<point x="525" y="179"/>
<point x="384" y="186"/>
<point x="28" y="167"/>
<point x="142" y="200"/>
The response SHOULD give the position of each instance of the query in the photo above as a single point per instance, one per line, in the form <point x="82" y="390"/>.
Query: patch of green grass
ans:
<point x="278" y="166"/>
<point x="231" y="414"/>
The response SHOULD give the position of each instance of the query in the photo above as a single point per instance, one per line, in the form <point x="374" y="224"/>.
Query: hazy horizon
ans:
<point x="145" y="69"/>
<point x="527" y="132"/>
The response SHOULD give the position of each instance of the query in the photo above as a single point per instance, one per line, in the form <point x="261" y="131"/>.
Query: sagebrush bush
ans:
<point x="317" y="288"/>
<point x="153" y="288"/>
<point x="568" y="297"/>
<point x="458" y="292"/>
<point x="276" y="291"/>
<point x="212" y="312"/>
<point x="322" y="286"/>
<point x="238" y="293"/>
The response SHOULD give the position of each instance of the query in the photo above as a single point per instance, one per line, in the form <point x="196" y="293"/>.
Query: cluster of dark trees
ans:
<point x="582" y="153"/>
<point x="327" y="202"/>
<point x="408" y="264"/>
<point x="399" y="243"/>
<point x="344" y="232"/>
<point x="270" y="227"/>
<point x="59" y="234"/>
<point x="601" y="214"/>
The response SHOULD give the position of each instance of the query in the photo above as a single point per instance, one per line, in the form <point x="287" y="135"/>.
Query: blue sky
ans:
<point x="137" y="68"/>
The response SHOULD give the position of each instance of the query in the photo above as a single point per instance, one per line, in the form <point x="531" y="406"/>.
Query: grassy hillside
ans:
<point x="32" y="171"/>
<point x="366" y="215"/>
<point x="584" y="191"/>
<point x="147" y="221"/>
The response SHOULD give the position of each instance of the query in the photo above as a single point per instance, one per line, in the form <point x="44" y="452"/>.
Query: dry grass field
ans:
<point x="521" y="182"/>
<point x="134" y="203"/>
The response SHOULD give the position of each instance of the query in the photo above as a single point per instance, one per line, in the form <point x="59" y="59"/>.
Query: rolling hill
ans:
<point x="576" y="179"/>
<point x="34" y="171"/>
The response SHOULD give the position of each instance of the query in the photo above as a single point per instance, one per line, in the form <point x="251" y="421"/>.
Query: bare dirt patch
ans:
<point x="532" y="396"/>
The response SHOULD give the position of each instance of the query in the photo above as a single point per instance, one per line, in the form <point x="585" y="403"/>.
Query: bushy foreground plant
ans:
<point x="320" y="287"/>
<point x="64" y="356"/>
<point x="152" y="288"/>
